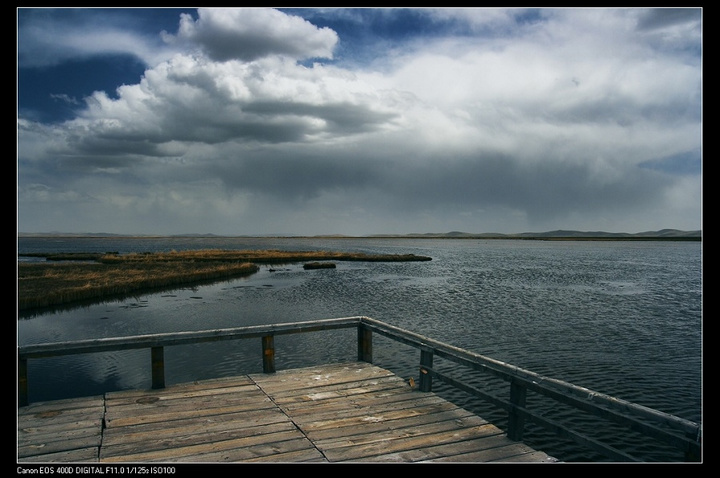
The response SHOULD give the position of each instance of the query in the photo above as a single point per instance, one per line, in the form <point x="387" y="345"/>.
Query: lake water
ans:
<point x="619" y="317"/>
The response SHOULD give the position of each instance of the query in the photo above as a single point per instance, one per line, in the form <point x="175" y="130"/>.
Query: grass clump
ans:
<point x="62" y="279"/>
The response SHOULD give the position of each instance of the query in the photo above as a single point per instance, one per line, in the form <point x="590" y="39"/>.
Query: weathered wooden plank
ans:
<point x="513" y="452"/>
<point x="280" y="383"/>
<point x="309" y="455"/>
<point x="434" y="453"/>
<point x="66" y="405"/>
<point x="356" y="417"/>
<point x="477" y="450"/>
<point x="277" y="451"/>
<point x="181" y="394"/>
<point x="164" y="417"/>
<point x="187" y="387"/>
<point x="531" y="457"/>
<point x="349" y="450"/>
<point x="185" y="392"/>
<point x="388" y="385"/>
<point x="409" y="421"/>
<point x="153" y="404"/>
<point x="161" y="413"/>
<point x="45" y="447"/>
<point x="62" y="426"/>
<point x="283" y="381"/>
<point x="363" y="436"/>
<point x="496" y="447"/>
<point x="189" y="451"/>
<point x="427" y="431"/>
<point x="37" y="428"/>
<point x="351" y="408"/>
<point x="60" y="416"/>
<point x="82" y="455"/>
<point x="345" y="398"/>
<point x="329" y="395"/>
<point x="61" y="432"/>
<point x="184" y="437"/>
<point x="216" y="423"/>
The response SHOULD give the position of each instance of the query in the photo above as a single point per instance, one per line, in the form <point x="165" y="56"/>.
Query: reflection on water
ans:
<point x="621" y="318"/>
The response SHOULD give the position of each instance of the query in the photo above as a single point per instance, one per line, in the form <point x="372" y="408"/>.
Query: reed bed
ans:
<point x="62" y="279"/>
<point x="270" y="256"/>
<point x="51" y="284"/>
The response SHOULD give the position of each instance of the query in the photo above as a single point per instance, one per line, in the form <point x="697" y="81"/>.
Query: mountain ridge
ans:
<point x="558" y="233"/>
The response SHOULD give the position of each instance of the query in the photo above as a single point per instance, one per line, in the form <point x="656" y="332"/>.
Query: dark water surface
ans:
<point x="618" y="317"/>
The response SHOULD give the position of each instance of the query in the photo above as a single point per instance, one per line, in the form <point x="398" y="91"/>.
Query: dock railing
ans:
<point x="676" y="432"/>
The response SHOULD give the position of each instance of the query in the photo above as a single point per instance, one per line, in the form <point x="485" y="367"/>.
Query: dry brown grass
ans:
<point x="270" y="256"/>
<point x="48" y="284"/>
<point x="44" y="284"/>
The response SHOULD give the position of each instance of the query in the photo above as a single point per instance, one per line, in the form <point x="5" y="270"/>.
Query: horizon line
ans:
<point x="555" y="233"/>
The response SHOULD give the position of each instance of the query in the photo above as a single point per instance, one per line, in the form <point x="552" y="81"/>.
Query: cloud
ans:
<point x="254" y="33"/>
<point x="500" y="120"/>
<point x="192" y="99"/>
<point x="50" y="37"/>
<point x="662" y="18"/>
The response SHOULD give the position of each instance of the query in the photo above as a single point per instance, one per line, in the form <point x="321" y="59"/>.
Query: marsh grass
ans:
<point x="63" y="280"/>
<point x="270" y="256"/>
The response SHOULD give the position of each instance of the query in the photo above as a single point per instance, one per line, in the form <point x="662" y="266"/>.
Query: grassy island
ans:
<point x="74" y="277"/>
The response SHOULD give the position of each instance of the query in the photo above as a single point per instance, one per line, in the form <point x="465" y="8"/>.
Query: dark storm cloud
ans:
<point x="340" y="118"/>
<point x="655" y="18"/>
<point x="545" y="190"/>
<point x="672" y="29"/>
<point x="296" y="176"/>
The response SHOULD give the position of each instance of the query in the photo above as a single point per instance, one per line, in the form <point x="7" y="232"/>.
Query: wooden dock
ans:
<point x="349" y="412"/>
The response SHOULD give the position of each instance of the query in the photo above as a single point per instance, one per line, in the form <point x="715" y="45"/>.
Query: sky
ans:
<point x="358" y="121"/>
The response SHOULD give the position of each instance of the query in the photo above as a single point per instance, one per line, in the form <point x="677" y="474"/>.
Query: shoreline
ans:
<point x="69" y="278"/>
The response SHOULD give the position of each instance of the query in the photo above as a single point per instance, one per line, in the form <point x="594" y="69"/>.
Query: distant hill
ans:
<point x="666" y="234"/>
<point x="563" y="234"/>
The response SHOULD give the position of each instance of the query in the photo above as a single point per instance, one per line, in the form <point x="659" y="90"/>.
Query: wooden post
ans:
<point x="426" y="361"/>
<point x="268" y="353"/>
<point x="157" y="357"/>
<point x="693" y="453"/>
<point x="365" y="348"/>
<point x="22" y="383"/>
<point x="516" y="423"/>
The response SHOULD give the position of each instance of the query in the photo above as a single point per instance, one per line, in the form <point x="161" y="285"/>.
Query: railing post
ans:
<point x="426" y="361"/>
<point x="516" y="423"/>
<point x="22" y="382"/>
<point x="268" y="353"/>
<point x="157" y="357"/>
<point x="693" y="453"/>
<point x="365" y="348"/>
